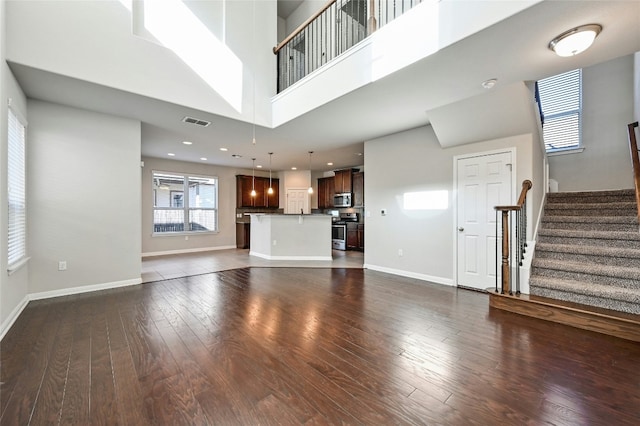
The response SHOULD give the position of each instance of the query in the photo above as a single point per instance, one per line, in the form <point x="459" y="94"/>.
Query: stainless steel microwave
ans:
<point x="342" y="200"/>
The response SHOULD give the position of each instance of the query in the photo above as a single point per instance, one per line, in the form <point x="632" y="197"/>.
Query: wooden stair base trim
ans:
<point x="624" y="326"/>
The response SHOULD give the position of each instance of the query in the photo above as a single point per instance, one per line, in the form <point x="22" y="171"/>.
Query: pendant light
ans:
<point x="270" y="190"/>
<point x="310" y="190"/>
<point x="253" y="178"/>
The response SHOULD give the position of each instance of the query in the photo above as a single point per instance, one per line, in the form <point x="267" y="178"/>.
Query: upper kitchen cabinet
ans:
<point x="325" y="192"/>
<point x="358" y="189"/>
<point x="262" y="199"/>
<point x="342" y="181"/>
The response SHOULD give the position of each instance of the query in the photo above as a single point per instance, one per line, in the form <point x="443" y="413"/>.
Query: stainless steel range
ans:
<point x="339" y="229"/>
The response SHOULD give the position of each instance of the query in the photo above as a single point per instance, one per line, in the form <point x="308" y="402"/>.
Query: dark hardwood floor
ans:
<point x="307" y="346"/>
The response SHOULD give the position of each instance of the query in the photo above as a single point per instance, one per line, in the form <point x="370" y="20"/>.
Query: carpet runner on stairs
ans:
<point x="588" y="250"/>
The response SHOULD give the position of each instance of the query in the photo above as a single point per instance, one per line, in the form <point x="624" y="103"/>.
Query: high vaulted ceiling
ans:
<point x="514" y="50"/>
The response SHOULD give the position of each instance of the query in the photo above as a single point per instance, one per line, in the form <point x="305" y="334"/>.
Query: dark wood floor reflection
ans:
<point x="307" y="346"/>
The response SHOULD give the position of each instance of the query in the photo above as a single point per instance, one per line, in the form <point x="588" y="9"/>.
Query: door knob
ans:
<point x="460" y="229"/>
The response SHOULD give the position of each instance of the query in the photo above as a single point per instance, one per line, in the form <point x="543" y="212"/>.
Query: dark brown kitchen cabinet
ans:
<point x="342" y="181"/>
<point x="358" y="189"/>
<point x="325" y="192"/>
<point x="244" y="185"/>
<point x="355" y="236"/>
<point x="243" y="235"/>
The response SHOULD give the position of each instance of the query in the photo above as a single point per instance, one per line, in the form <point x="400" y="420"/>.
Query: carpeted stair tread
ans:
<point x="588" y="250"/>
<point x="622" y="205"/>
<point x="631" y="219"/>
<point x="630" y="253"/>
<point x="618" y="272"/>
<point x="631" y="295"/>
<point x="596" y="235"/>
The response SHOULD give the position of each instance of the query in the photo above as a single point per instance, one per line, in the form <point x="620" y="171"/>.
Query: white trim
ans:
<point x="565" y="151"/>
<point x="264" y="256"/>
<point x="84" y="289"/>
<point x="13" y="316"/>
<point x="525" y="269"/>
<point x="14" y="267"/>
<point x="409" y="274"/>
<point x="185" y="251"/>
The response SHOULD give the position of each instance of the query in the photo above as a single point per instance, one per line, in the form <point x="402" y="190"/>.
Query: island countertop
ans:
<point x="291" y="236"/>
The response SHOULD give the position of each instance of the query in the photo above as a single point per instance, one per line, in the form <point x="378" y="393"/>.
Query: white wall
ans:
<point x="225" y="238"/>
<point x="414" y="161"/>
<point x="13" y="288"/>
<point x="608" y="108"/>
<point x="93" y="41"/>
<point x="83" y="199"/>
<point x="636" y="86"/>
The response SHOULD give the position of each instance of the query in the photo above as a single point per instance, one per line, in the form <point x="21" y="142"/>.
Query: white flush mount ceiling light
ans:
<point x="576" y="40"/>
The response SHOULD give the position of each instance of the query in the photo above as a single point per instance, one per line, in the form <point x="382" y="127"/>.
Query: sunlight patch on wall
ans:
<point x="178" y="29"/>
<point x="426" y="200"/>
<point x="407" y="39"/>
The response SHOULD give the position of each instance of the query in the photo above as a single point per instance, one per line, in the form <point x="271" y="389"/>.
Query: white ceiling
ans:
<point x="448" y="81"/>
<point x="286" y="7"/>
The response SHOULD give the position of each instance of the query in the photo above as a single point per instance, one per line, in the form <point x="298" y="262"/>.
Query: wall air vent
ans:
<point x="196" y="121"/>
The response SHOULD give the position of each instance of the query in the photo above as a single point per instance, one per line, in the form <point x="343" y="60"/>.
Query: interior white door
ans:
<point x="483" y="183"/>
<point x="297" y="201"/>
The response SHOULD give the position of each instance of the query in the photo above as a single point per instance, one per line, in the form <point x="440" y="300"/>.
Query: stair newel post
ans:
<point x="506" y="276"/>
<point x="518" y="253"/>
<point x="496" y="262"/>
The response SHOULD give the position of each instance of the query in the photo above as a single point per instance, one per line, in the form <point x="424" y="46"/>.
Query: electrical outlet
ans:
<point x="400" y="252"/>
<point x="62" y="265"/>
<point x="186" y="238"/>
<point x="275" y="242"/>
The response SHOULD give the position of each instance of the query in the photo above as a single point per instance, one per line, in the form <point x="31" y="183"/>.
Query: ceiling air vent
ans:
<point x="196" y="121"/>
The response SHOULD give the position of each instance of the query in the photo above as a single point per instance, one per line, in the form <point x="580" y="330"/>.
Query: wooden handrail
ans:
<point x="302" y="27"/>
<point x="506" y="268"/>
<point x="526" y="186"/>
<point x="633" y="145"/>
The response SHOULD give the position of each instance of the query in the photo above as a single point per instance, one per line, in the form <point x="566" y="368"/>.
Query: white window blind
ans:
<point x="561" y="103"/>
<point x="17" y="220"/>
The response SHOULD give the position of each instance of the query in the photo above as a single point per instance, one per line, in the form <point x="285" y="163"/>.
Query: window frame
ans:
<point x="185" y="208"/>
<point x="16" y="260"/>
<point x="577" y="112"/>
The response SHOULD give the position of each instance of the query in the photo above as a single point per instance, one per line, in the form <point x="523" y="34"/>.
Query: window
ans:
<point x="184" y="203"/>
<point x="16" y="180"/>
<point x="561" y="105"/>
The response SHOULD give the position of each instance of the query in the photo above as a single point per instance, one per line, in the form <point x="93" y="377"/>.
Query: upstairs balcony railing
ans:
<point x="338" y="26"/>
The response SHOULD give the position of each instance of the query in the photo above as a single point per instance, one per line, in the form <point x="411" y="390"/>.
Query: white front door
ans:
<point x="483" y="182"/>
<point x="297" y="201"/>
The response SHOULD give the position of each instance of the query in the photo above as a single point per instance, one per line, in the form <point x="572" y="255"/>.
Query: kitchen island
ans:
<point x="291" y="236"/>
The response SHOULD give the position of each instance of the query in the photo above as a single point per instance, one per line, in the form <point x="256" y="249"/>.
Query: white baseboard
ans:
<point x="185" y="251"/>
<point x="13" y="316"/>
<point x="408" y="274"/>
<point x="84" y="289"/>
<point x="264" y="256"/>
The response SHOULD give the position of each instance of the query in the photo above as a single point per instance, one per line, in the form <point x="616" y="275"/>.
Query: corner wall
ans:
<point x="608" y="108"/>
<point x="13" y="288"/>
<point x="414" y="161"/>
<point x="83" y="200"/>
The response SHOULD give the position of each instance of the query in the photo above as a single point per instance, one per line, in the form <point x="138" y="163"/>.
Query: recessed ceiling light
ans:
<point x="329" y="164"/>
<point x="294" y="168"/>
<point x="203" y="158"/>
<point x="576" y="40"/>
<point x="187" y="142"/>
<point x="236" y="156"/>
<point x="171" y="154"/>
<point x="488" y="84"/>
<point x="259" y="166"/>
<point x="359" y="154"/>
<point x="224" y="149"/>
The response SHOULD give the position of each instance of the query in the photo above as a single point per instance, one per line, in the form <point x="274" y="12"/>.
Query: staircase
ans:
<point x="588" y="250"/>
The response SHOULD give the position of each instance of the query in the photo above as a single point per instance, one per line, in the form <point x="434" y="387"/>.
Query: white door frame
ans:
<point x="454" y="191"/>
